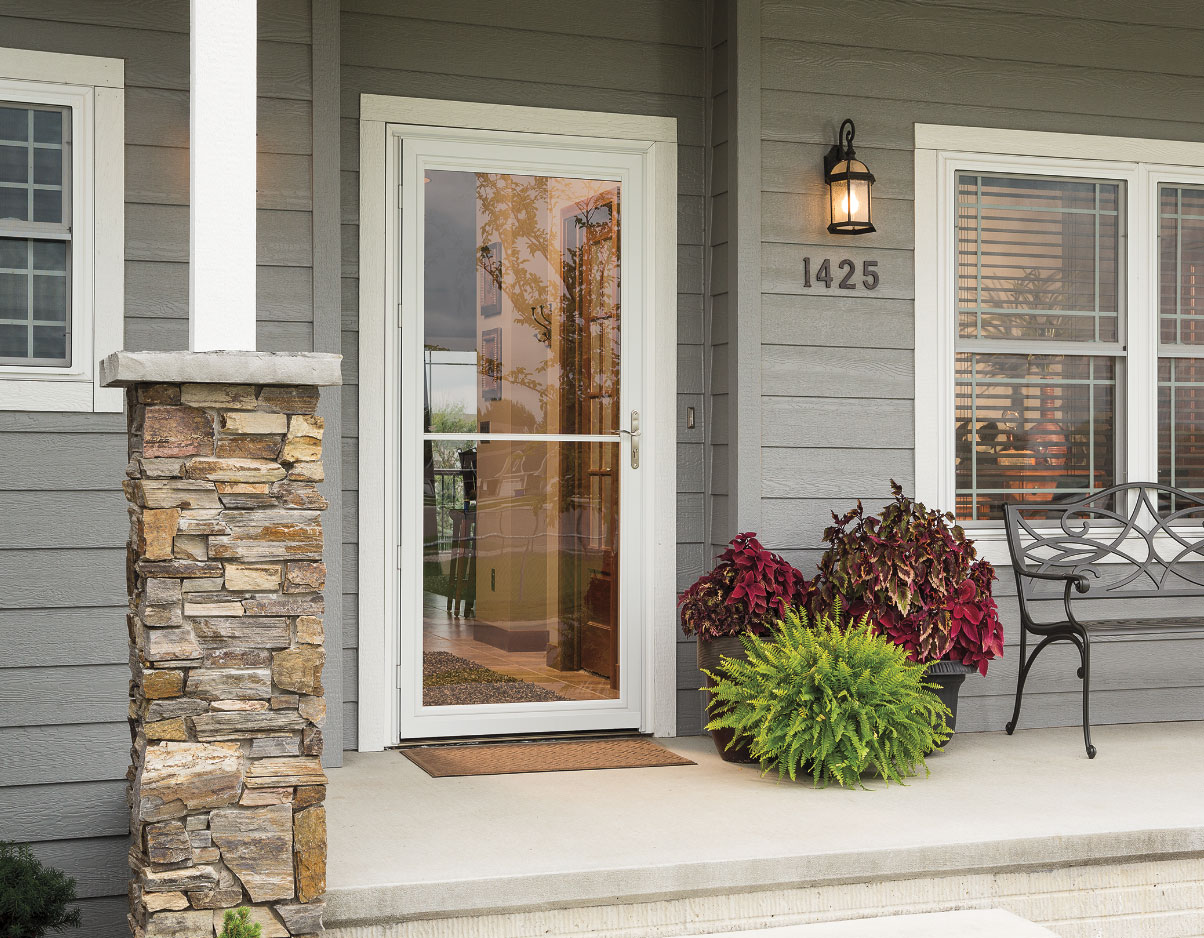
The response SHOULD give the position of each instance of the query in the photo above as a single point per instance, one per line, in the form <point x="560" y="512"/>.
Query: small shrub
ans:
<point x="747" y="591"/>
<point x="33" y="897"/>
<point x="236" y="925"/>
<point x="829" y="701"/>
<point x="916" y="575"/>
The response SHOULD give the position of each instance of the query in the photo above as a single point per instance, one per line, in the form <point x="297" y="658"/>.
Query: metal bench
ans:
<point x="1135" y="542"/>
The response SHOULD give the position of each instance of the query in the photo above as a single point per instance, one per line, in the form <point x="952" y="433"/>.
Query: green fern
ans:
<point x="830" y="702"/>
<point x="236" y="924"/>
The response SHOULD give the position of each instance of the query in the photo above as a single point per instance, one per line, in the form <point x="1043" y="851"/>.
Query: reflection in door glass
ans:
<point x="520" y="571"/>
<point x="521" y="304"/>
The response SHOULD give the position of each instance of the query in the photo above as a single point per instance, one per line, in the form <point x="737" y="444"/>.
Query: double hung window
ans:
<point x="62" y="229"/>
<point x="1059" y="317"/>
<point x="35" y="234"/>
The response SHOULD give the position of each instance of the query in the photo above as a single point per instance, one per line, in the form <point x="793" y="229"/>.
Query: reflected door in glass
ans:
<point x="521" y="451"/>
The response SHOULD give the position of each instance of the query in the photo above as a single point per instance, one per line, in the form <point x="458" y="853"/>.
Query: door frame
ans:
<point x="382" y="119"/>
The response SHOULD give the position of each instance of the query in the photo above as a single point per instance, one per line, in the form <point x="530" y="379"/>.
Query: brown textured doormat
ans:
<point x="568" y="756"/>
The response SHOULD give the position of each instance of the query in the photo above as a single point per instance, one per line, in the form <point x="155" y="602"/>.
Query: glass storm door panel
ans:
<point x="520" y="452"/>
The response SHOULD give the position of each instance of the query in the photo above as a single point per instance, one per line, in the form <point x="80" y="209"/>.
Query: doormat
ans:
<point x="569" y="756"/>
<point x="449" y="680"/>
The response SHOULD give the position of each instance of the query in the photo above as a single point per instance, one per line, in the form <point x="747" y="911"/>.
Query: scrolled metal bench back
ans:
<point x="1131" y="541"/>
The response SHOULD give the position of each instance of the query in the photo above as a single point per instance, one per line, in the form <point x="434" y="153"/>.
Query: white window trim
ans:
<point x="379" y="638"/>
<point x="94" y="89"/>
<point x="942" y="151"/>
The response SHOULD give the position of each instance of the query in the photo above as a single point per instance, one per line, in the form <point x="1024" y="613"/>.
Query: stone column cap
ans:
<point x="310" y="369"/>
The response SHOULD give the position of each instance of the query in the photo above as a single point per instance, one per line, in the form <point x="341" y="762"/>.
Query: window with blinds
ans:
<point x="1181" y="337"/>
<point x="1039" y="320"/>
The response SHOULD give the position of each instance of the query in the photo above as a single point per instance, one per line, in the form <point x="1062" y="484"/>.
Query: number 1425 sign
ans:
<point x="846" y="271"/>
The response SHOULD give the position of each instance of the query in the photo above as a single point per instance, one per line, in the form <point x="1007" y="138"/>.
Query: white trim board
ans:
<point x="509" y="118"/>
<point x="382" y="119"/>
<point x="1036" y="153"/>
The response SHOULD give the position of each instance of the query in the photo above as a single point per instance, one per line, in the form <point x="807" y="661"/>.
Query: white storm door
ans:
<point x="520" y="278"/>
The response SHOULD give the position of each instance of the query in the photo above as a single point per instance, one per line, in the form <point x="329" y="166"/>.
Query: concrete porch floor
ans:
<point x="408" y="848"/>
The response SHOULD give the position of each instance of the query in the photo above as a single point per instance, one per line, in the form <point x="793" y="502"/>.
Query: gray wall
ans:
<point x="64" y="743"/>
<point x="629" y="56"/>
<point x="836" y="406"/>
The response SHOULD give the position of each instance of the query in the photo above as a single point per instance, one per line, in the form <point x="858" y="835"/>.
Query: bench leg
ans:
<point x="1085" y="674"/>
<point x="1027" y="663"/>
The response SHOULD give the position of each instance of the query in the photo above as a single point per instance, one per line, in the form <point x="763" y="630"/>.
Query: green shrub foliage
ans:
<point x="830" y="702"/>
<point x="33" y="898"/>
<point x="236" y="925"/>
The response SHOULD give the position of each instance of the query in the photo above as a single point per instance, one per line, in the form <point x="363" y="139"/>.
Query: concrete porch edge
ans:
<point x="366" y="905"/>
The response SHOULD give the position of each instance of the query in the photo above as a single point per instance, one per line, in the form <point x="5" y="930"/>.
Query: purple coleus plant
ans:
<point x="747" y="591"/>
<point x="918" y="578"/>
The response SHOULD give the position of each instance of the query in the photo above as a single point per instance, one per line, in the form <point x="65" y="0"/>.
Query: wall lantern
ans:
<point x="849" y="181"/>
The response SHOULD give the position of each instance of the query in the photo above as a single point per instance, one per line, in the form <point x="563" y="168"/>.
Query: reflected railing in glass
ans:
<point x="520" y="571"/>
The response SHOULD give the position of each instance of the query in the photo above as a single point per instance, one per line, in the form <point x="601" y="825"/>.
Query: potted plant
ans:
<point x="747" y="591"/>
<point x="918" y="578"/>
<point x="833" y="702"/>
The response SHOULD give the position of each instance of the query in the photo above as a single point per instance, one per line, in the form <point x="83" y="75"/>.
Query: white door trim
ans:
<point x="379" y="439"/>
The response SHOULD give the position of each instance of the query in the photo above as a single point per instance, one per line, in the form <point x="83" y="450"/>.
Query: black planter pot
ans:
<point x="948" y="676"/>
<point x="709" y="654"/>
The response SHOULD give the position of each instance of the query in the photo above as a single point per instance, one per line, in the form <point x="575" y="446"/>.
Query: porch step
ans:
<point x="980" y="923"/>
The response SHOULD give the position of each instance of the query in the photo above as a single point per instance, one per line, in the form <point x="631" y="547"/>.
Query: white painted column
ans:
<point x="221" y="274"/>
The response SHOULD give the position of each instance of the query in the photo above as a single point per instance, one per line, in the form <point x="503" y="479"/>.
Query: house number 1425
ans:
<point x="823" y="274"/>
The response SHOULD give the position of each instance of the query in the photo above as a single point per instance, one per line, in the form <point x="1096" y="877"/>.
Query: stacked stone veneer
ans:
<point x="225" y="580"/>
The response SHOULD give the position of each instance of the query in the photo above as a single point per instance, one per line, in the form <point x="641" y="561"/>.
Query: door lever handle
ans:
<point x="634" y="435"/>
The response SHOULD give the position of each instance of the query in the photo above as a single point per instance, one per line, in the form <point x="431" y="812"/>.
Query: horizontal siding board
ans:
<point x="1021" y="37"/>
<point x="99" y="865"/>
<point x="906" y="76"/>
<point x="34" y="461"/>
<point x="803" y="371"/>
<point x="43" y="696"/>
<point x="534" y="92"/>
<point x="829" y="473"/>
<point x="41" y="755"/>
<point x="1146" y="705"/>
<point x="673" y="22"/>
<point x="892" y="124"/>
<point x="827" y="421"/>
<point x="48" y="579"/>
<point x="837" y="321"/>
<point x="518" y="55"/>
<point x="53" y="637"/>
<point x="24" y="421"/>
<point x="35" y="520"/>
<point x="63" y="812"/>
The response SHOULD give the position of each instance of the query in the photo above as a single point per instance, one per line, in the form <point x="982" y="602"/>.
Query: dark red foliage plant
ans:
<point x="918" y="578"/>
<point x="749" y="589"/>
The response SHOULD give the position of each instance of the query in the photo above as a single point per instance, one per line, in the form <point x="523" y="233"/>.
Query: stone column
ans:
<point x="225" y="579"/>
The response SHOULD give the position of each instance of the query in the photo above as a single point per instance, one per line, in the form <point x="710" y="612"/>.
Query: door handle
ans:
<point x="634" y="435"/>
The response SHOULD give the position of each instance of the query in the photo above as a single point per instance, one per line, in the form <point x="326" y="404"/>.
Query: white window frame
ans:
<point x="943" y="151"/>
<point x="94" y="90"/>
<point x="383" y="117"/>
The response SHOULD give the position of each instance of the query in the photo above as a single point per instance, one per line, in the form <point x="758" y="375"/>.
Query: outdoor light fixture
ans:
<point x="849" y="181"/>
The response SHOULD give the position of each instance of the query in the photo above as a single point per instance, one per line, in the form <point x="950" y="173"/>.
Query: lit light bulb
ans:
<point x="849" y="205"/>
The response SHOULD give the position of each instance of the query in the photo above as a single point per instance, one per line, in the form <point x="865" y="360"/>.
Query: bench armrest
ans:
<point x="1079" y="580"/>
